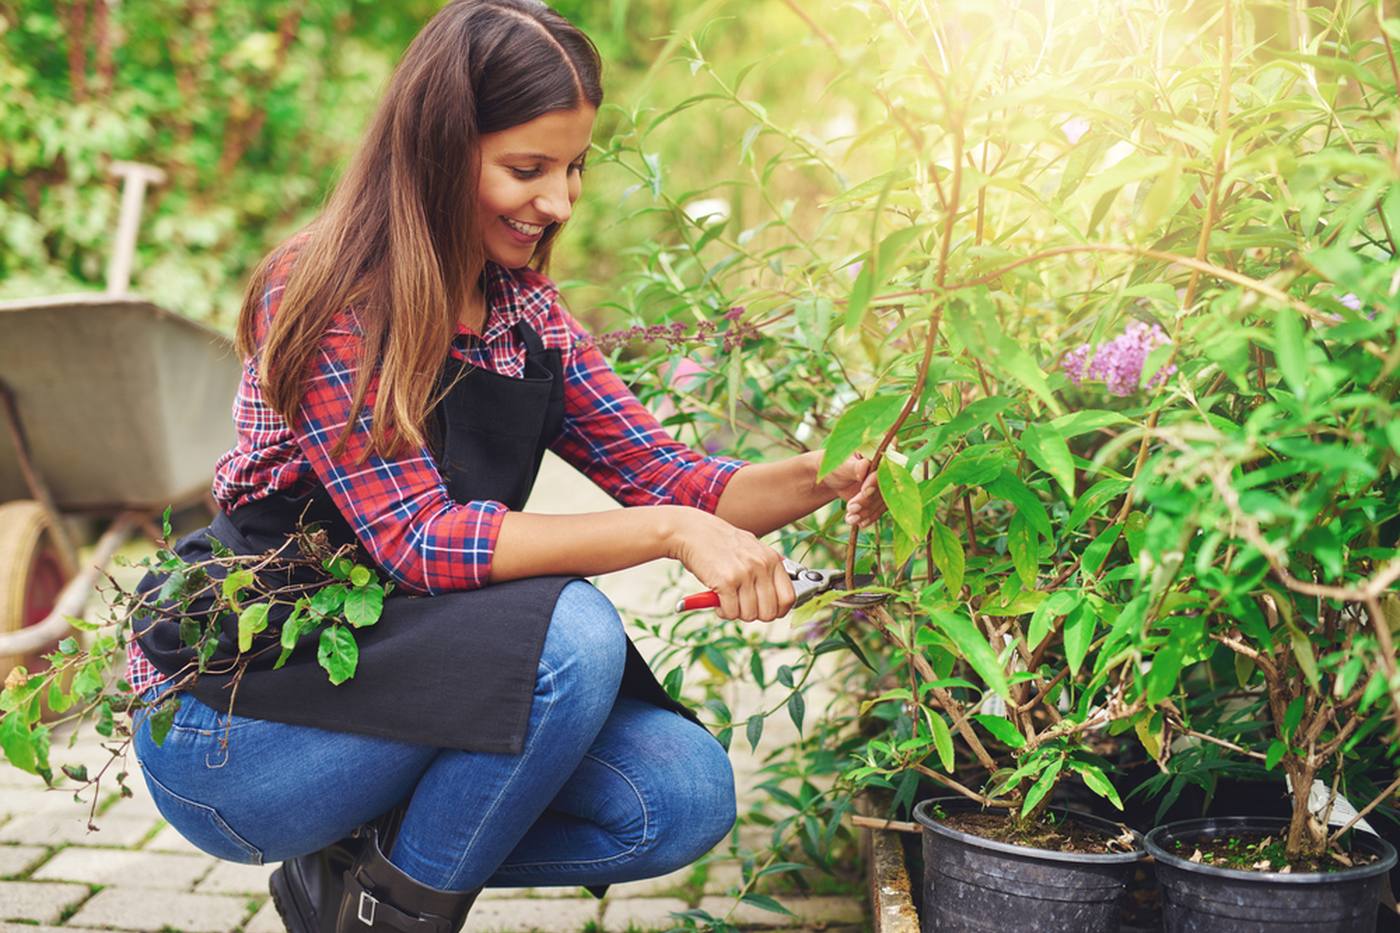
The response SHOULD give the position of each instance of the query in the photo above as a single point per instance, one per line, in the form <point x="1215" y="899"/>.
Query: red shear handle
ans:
<point x="709" y="600"/>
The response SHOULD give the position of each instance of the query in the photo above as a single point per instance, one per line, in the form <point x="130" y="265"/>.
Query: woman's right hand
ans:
<point x="747" y="574"/>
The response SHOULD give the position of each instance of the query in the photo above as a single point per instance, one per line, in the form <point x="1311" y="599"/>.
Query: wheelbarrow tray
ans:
<point x="125" y="405"/>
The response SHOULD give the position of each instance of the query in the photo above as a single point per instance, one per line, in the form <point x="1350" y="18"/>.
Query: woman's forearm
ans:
<point x="761" y="497"/>
<point x="530" y="544"/>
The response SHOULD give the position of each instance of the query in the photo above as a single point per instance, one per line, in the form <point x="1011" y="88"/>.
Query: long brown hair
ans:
<point x="397" y="238"/>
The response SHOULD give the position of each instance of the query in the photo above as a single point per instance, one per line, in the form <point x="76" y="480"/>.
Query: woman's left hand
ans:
<point x="856" y="483"/>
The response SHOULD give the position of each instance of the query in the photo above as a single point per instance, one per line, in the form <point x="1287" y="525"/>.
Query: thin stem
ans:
<point x="1361" y="814"/>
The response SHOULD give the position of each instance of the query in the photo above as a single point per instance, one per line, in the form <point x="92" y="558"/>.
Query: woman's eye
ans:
<point x="525" y="173"/>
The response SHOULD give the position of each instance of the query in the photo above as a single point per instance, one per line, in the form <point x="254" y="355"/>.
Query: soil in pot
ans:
<point x="1204" y="896"/>
<point x="971" y="882"/>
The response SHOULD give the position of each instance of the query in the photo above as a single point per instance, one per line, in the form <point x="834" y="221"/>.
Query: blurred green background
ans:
<point x="252" y="108"/>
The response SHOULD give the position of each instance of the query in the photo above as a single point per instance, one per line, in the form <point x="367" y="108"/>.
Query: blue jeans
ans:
<point x="607" y="789"/>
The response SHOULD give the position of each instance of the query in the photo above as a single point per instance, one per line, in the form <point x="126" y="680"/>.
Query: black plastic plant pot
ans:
<point x="971" y="883"/>
<point x="1199" y="898"/>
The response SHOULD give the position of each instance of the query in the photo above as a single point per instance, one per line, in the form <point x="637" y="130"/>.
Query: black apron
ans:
<point x="455" y="670"/>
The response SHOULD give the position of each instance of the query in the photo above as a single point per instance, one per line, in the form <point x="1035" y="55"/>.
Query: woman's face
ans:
<point x="531" y="176"/>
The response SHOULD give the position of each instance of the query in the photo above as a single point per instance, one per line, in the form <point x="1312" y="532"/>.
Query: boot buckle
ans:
<point x="360" y="913"/>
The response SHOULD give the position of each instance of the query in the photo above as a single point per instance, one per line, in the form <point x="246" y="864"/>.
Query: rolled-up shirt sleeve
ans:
<point x="398" y="507"/>
<point x="615" y="441"/>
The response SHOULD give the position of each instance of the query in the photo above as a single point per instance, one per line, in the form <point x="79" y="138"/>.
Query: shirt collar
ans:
<point x="508" y="294"/>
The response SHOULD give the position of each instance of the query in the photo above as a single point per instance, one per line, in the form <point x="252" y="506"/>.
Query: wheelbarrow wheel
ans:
<point x="31" y="575"/>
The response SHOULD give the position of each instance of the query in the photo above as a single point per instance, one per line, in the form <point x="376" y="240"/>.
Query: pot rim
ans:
<point x="1049" y="855"/>
<point x="1224" y="824"/>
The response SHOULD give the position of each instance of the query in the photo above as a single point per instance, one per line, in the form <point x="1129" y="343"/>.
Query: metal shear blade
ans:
<point x="808" y="583"/>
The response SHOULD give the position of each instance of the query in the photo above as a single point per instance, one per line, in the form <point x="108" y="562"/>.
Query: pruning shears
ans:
<point x="806" y="583"/>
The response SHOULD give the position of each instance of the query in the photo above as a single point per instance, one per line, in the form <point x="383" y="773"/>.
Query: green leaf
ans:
<point x="1008" y="486"/>
<point x="765" y="902"/>
<point x="1167" y="661"/>
<point x="754" y="730"/>
<point x="1339" y="264"/>
<point x="251" y="621"/>
<point x="675" y="678"/>
<point x="1013" y="601"/>
<point x="163" y="718"/>
<point x="1289" y="351"/>
<point x="1047" y="449"/>
<point x="17" y="742"/>
<point x="948" y="557"/>
<point x="1095" y="498"/>
<point x="363" y="606"/>
<point x="338" y="653"/>
<point x="1002" y="728"/>
<point x="974" y="466"/>
<point x="1097" y="551"/>
<point x="1244" y="670"/>
<point x="293" y="628"/>
<point x="861" y="291"/>
<point x="1041" y="787"/>
<point x="942" y="741"/>
<point x="68" y="646"/>
<point x="59" y="701"/>
<point x="236" y="582"/>
<point x="974" y="648"/>
<point x="902" y="498"/>
<point x="756" y="668"/>
<point x="173" y="587"/>
<point x="878" y="265"/>
<point x="329" y="599"/>
<point x="88" y="680"/>
<point x="1079" y="634"/>
<point x="978" y="412"/>
<point x="858" y="425"/>
<point x="1097" y="781"/>
<point x="338" y="567"/>
<point x="1160" y="197"/>
<point x="1292" y="716"/>
<point x="1138" y="166"/>
<point x="1021" y="366"/>
<point x="1302" y="650"/>
<point x="1390" y="207"/>
<point x="1277" y="749"/>
<point x="797" y="709"/>
<point x="1082" y="422"/>
<point x="1057" y="604"/>
<point x="1021" y="544"/>
<point x="360" y="575"/>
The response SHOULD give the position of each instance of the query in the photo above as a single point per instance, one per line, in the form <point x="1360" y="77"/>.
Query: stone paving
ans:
<point x="136" y="873"/>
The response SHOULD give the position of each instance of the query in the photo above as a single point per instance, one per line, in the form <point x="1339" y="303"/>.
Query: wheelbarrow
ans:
<point x="110" y="407"/>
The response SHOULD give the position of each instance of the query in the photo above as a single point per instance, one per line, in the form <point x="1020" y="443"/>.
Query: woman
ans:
<point x="407" y="365"/>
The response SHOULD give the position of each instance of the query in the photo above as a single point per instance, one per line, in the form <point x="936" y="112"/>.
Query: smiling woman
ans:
<point x="531" y="175"/>
<point x="407" y="365"/>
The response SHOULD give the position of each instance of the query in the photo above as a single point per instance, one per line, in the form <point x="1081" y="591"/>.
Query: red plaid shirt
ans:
<point x="399" y="508"/>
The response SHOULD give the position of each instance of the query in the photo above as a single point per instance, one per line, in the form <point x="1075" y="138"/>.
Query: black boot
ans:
<point x="307" y="890"/>
<point x="378" y="896"/>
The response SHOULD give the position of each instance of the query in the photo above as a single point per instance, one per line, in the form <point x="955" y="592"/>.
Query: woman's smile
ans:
<point x="526" y="233"/>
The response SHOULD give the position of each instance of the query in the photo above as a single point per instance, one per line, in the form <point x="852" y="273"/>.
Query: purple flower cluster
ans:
<point x="1118" y="363"/>
<point x="676" y="334"/>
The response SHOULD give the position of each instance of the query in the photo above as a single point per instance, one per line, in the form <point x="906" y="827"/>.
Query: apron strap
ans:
<point x="534" y="346"/>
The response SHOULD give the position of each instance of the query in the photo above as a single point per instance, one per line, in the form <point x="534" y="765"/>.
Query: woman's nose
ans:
<point x="555" y="201"/>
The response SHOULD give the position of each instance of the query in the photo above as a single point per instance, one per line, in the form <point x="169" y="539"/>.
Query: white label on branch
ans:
<point x="1342" y="810"/>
